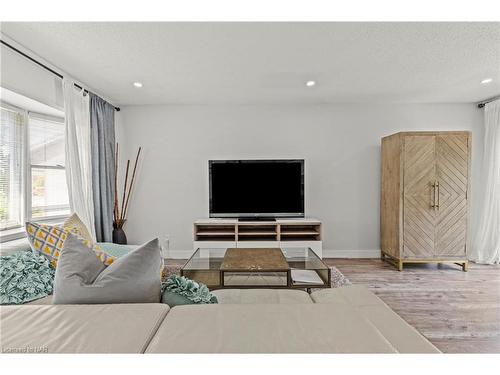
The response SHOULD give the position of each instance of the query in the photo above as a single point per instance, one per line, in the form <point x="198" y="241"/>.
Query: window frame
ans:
<point x="15" y="233"/>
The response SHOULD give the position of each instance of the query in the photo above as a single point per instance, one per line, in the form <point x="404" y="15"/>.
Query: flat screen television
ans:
<point x="256" y="188"/>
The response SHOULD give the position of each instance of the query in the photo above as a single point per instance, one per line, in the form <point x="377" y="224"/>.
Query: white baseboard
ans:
<point x="367" y="253"/>
<point x="370" y="253"/>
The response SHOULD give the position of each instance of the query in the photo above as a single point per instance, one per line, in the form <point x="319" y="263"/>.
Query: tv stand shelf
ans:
<point x="213" y="233"/>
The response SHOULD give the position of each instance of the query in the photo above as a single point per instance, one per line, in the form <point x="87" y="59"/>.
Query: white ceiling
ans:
<point x="270" y="62"/>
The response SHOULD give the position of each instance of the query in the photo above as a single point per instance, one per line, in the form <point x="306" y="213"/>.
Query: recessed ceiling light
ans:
<point x="310" y="83"/>
<point x="486" y="80"/>
<point x="137" y="84"/>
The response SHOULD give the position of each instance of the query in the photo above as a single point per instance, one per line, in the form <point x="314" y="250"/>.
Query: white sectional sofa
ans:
<point x="350" y="319"/>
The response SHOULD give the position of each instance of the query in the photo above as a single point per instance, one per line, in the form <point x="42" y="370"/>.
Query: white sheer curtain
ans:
<point x="78" y="151"/>
<point x="485" y="245"/>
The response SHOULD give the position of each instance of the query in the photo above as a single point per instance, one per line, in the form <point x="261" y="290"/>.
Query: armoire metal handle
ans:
<point x="433" y="195"/>
<point x="437" y="194"/>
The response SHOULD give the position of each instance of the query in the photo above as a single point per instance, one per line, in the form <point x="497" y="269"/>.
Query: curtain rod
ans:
<point x="44" y="66"/>
<point x="484" y="102"/>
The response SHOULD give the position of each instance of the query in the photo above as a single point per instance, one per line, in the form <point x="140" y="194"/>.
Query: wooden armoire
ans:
<point x="424" y="197"/>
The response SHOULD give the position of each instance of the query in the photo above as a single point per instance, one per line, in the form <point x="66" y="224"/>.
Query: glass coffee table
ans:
<point x="297" y="267"/>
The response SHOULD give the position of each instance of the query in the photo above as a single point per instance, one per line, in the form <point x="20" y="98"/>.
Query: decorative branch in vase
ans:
<point x="120" y="212"/>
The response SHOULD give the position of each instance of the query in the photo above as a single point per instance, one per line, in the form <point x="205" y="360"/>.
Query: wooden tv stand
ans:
<point x="226" y="233"/>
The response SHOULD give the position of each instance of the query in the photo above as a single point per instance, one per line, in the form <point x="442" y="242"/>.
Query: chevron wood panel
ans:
<point x="452" y="172"/>
<point x="391" y="233"/>
<point x="419" y="219"/>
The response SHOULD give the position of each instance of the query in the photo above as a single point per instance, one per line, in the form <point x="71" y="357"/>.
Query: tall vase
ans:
<point x="119" y="236"/>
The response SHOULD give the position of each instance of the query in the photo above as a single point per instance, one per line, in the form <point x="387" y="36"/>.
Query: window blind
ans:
<point x="11" y="168"/>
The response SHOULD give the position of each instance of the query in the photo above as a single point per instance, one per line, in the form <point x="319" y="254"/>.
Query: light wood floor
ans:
<point x="459" y="312"/>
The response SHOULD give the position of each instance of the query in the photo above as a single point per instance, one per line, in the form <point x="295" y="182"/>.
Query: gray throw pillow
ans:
<point x="81" y="278"/>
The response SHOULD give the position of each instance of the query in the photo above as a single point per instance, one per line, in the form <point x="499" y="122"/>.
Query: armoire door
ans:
<point x="419" y="215"/>
<point x="452" y="153"/>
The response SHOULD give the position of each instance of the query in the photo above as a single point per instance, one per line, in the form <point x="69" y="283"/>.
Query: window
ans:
<point x="49" y="192"/>
<point x="32" y="169"/>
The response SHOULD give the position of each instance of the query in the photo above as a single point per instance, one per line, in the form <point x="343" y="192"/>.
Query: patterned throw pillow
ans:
<point x="48" y="240"/>
<point x="75" y="225"/>
<point x="106" y="258"/>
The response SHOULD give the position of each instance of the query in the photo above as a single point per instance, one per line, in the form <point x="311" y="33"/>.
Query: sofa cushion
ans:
<point x="120" y="328"/>
<point x="261" y="296"/>
<point x="285" y="328"/>
<point x="403" y="336"/>
<point x="81" y="278"/>
<point x="355" y="322"/>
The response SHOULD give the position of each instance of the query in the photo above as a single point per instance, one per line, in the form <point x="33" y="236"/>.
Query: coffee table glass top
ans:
<point x="211" y="258"/>
<point x="207" y="265"/>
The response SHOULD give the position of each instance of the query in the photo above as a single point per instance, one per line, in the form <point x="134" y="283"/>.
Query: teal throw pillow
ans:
<point x="115" y="250"/>
<point x="25" y="276"/>
<point x="179" y="290"/>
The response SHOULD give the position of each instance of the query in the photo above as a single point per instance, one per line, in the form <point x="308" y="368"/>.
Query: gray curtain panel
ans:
<point x="102" y="133"/>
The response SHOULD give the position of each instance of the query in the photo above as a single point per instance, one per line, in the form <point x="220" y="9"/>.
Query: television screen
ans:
<point x="256" y="188"/>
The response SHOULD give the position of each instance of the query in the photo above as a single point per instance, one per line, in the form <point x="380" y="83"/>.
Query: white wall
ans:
<point x="341" y="145"/>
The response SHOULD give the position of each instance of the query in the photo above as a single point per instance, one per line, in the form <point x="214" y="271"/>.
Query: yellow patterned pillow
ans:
<point x="49" y="240"/>
<point x="76" y="226"/>
<point x="107" y="258"/>
<point x="103" y="256"/>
